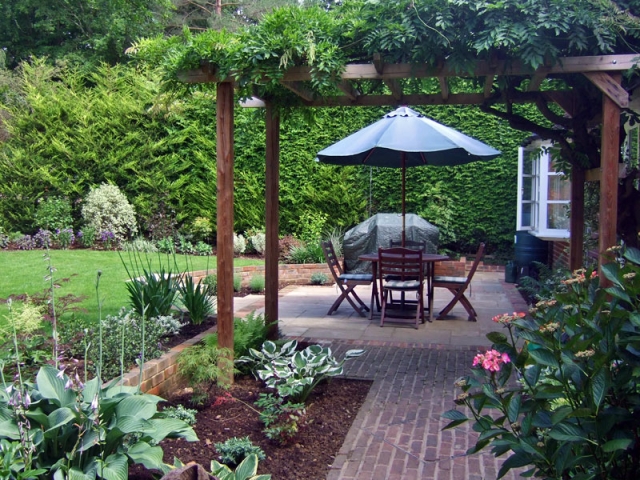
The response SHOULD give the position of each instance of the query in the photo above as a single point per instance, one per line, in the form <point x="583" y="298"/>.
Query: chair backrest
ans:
<point x="401" y="263"/>
<point x="332" y="260"/>
<point x="412" y="244"/>
<point x="476" y="262"/>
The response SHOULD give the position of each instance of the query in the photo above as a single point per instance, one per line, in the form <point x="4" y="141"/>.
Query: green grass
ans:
<point x="23" y="272"/>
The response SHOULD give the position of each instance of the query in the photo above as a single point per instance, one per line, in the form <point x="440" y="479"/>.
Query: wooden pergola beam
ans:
<point x="488" y="86"/>
<point x="434" y="99"/>
<point x="537" y="79"/>
<point x="272" y="220"/>
<point x="299" y="89"/>
<point x="392" y="84"/>
<point x="348" y="89"/>
<point x="610" y="87"/>
<point x="482" y="68"/>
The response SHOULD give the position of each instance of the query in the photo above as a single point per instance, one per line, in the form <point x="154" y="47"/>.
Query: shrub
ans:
<point x="258" y="241"/>
<point x="285" y="245"/>
<point x="201" y="228"/>
<point x="184" y="245"/>
<point x="308" y="253"/>
<point x="233" y="450"/>
<point x="311" y="226"/>
<point x="256" y="283"/>
<point x="203" y="249"/>
<point x="237" y="282"/>
<point x="239" y="244"/>
<point x="4" y="239"/>
<point x="106" y="209"/>
<point x="54" y="213"/>
<point x="319" y="278"/>
<point x="572" y="413"/>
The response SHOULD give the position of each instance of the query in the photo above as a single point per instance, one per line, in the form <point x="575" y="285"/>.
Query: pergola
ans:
<point x="605" y="72"/>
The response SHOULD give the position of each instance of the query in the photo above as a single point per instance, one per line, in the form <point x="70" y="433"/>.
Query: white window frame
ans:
<point x="540" y="189"/>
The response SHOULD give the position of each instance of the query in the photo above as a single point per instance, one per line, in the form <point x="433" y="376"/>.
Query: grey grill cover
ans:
<point x="378" y="231"/>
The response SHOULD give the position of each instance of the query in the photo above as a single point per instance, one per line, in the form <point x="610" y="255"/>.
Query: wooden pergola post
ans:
<point x="272" y="193"/>
<point x="576" y="227"/>
<point x="609" y="157"/>
<point x="224" y="150"/>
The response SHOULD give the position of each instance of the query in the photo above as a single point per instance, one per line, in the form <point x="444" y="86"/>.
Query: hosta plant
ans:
<point x="247" y="470"/>
<point x="296" y="373"/>
<point x="85" y="431"/>
<point x="559" y="390"/>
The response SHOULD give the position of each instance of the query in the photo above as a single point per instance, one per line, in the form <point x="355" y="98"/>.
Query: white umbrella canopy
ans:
<point x="405" y="138"/>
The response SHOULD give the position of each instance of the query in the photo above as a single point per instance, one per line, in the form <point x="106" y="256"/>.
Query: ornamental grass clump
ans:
<point x="558" y="390"/>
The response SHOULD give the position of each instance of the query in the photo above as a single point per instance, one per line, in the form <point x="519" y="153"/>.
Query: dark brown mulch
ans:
<point x="331" y="409"/>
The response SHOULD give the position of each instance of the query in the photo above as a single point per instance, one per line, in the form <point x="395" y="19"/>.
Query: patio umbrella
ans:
<point x="405" y="138"/>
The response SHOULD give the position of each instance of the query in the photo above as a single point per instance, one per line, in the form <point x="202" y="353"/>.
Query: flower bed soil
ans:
<point x="331" y="409"/>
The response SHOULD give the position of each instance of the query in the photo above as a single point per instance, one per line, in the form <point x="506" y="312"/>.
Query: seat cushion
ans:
<point x="402" y="285"/>
<point x="356" y="277"/>
<point x="445" y="279"/>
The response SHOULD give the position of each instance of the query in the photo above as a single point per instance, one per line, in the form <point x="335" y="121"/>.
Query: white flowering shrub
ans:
<point x="259" y="242"/>
<point x="239" y="244"/>
<point x="106" y="209"/>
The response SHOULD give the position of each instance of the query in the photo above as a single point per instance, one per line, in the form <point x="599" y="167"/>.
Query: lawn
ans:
<point x="24" y="272"/>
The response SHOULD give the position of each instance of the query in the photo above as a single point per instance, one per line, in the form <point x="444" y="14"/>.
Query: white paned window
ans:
<point x="543" y="194"/>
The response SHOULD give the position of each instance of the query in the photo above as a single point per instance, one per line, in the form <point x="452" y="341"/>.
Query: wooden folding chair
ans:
<point x="346" y="282"/>
<point x="459" y="285"/>
<point x="401" y="270"/>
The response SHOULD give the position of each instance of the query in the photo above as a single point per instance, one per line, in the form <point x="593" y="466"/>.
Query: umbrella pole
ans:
<point x="404" y="174"/>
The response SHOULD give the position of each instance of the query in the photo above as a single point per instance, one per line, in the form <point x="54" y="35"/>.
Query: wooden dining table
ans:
<point x="428" y="259"/>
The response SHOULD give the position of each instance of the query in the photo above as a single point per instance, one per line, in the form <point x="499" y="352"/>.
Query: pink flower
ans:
<point x="491" y="360"/>
<point x="506" y="319"/>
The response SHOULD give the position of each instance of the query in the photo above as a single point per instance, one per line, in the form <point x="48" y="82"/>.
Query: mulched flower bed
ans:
<point x="331" y="409"/>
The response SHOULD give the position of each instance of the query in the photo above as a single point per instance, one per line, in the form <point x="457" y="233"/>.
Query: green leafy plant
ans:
<point x="187" y="415"/>
<point x="234" y="450"/>
<point x="64" y="238"/>
<point x="196" y="299"/>
<point x="294" y="374"/>
<point x="559" y="389"/>
<point x="201" y="228"/>
<point x="319" y="278"/>
<point x="15" y="462"/>
<point x="247" y="470"/>
<point x="54" y="213"/>
<point x="257" y="360"/>
<point x="80" y="430"/>
<point x="151" y="294"/>
<point x="282" y="419"/>
<point x="87" y="237"/>
<point x="203" y="249"/>
<point x="166" y="245"/>
<point x="307" y="253"/>
<point x="237" y="282"/>
<point x="211" y="282"/>
<point x="256" y="283"/>
<point x="202" y="365"/>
